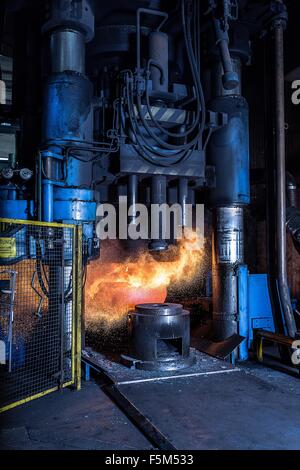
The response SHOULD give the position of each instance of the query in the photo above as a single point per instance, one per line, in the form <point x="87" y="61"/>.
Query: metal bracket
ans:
<point x="220" y="350"/>
<point x="216" y="120"/>
<point x="41" y="301"/>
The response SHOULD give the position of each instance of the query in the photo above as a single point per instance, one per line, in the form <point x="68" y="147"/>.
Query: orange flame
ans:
<point x="114" y="288"/>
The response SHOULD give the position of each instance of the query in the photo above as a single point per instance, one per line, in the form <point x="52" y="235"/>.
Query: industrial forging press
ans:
<point x="109" y="110"/>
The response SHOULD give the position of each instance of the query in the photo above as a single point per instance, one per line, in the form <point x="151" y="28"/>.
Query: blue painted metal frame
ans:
<point x="229" y="153"/>
<point x="67" y="123"/>
<point x="259" y="305"/>
<point x="243" y="311"/>
<point x="16" y="209"/>
<point x="254" y="307"/>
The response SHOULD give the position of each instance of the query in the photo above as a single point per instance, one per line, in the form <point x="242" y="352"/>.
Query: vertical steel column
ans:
<point x="68" y="122"/>
<point x="132" y="188"/>
<point x="67" y="113"/>
<point x="281" y="180"/>
<point x="159" y="197"/>
<point x="229" y="153"/>
<point x="183" y="194"/>
<point x="228" y="254"/>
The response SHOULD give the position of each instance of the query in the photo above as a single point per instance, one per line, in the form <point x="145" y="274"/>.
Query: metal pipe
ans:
<point x="132" y="197"/>
<point x="183" y="193"/>
<point x="158" y="197"/>
<point x="281" y="180"/>
<point x="230" y="78"/>
<point x="159" y="52"/>
<point x="146" y="11"/>
<point x="47" y="201"/>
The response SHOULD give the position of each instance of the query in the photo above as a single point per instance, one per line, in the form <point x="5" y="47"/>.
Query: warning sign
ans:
<point x="8" y="248"/>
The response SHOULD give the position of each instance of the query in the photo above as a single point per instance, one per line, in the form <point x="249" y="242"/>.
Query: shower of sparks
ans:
<point x="112" y="289"/>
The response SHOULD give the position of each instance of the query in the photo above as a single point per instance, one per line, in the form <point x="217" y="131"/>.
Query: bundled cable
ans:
<point x="149" y="153"/>
<point x="172" y="153"/>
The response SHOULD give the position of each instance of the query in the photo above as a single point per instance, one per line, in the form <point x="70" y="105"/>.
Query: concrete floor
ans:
<point x="220" y="412"/>
<point x="70" y="420"/>
<point x="254" y="408"/>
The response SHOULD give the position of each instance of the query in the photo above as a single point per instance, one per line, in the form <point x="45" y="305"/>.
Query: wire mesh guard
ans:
<point x="37" y="310"/>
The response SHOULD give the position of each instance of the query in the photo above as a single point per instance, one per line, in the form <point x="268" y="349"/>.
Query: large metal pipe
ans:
<point x="183" y="194"/>
<point x="67" y="107"/>
<point x="132" y="187"/>
<point x="281" y="180"/>
<point x="229" y="153"/>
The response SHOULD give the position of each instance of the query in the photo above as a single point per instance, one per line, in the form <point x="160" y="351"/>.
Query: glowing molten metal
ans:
<point x="114" y="288"/>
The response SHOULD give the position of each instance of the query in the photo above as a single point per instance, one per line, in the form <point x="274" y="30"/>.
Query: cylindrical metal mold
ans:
<point x="67" y="51"/>
<point x="160" y="337"/>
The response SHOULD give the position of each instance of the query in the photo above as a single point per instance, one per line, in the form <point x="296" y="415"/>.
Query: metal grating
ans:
<point x="39" y="327"/>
